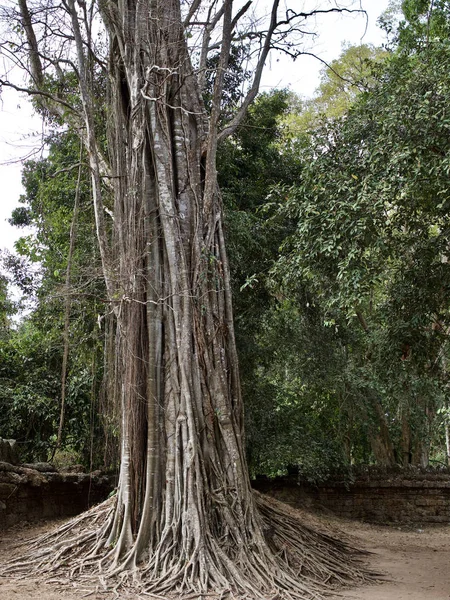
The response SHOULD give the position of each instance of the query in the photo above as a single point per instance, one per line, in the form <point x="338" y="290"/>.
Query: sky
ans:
<point x="21" y="131"/>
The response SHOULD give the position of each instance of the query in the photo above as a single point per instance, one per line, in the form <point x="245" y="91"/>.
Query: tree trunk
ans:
<point x="422" y="435"/>
<point x="405" y="437"/>
<point x="184" y="492"/>
<point x="378" y="432"/>
<point x="68" y="304"/>
<point x="447" y="440"/>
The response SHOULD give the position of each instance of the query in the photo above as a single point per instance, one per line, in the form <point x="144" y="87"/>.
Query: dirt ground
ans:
<point x="415" y="562"/>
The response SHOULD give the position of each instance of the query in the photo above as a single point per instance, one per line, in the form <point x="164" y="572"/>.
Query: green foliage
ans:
<point x="30" y="389"/>
<point x="425" y="22"/>
<point x="297" y="423"/>
<point x="341" y="83"/>
<point x="287" y="422"/>
<point x="29" y="386"/>
<point x="250" y="163"/>
<point x="372" y="238"/>
<point x="30" y="381"/>
<point x="7" y="306"/>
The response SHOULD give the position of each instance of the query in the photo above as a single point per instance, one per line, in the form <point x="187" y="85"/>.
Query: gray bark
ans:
<point x="182" y="427"/>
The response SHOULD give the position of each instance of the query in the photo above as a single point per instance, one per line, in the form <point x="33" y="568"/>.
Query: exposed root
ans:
<point x="295" y="563"/>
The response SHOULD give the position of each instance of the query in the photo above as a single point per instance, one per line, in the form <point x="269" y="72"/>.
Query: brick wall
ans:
<point x="411" y="496"/>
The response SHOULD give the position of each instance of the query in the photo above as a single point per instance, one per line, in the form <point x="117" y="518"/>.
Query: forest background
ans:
<point x="336" y="213"/>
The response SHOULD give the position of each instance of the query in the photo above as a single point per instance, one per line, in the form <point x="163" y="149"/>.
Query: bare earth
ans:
<point x="414" y="560"/>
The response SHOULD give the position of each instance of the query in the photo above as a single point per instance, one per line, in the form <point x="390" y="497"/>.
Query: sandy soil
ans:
<point x="31" y="588"/>
<point x="415" y="562"/>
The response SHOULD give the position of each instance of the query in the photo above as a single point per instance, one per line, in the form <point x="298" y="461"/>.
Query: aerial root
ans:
<point x="310" y="554"/>
<point x="291" y="562"/>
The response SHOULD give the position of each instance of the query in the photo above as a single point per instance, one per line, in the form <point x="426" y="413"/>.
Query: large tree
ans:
<point x="184" y="512"/>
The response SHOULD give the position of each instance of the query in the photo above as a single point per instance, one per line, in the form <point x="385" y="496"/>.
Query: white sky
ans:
<point x="20" y="131"/>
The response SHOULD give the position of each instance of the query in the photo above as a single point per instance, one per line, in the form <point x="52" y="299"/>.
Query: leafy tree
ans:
<point x="341" y="83"/>
<point x="423" y="22"/>
<point x="250" y="164"/>
<point x="40" y="341"/>
<point x="294" y="410"/>
<point x="7" y="307"/>
<point x="371" y="242"/>
<point x="29" y="386"/>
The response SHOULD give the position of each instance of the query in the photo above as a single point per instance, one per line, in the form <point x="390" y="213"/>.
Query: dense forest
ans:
<point x="336" y="220"/>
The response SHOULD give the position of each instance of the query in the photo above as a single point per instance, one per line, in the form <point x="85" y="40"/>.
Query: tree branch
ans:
<point x="240" y="14"/>
<point x="194" y="7"/>
<point x="275" y="24"/>
<point x="231" y="127"/>
<point x="208" y="27"/>
<point x="292" y="15"/>
<point x="33" y="92"/>
<point x="35" y="62"/>
<point x="362" y="321"/>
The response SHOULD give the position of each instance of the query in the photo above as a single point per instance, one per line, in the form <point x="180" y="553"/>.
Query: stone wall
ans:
<point x="8" y="451"/>
<point x="30" y="494"/>
<point x="33" y="492"/>
<point x="376" y="497"/>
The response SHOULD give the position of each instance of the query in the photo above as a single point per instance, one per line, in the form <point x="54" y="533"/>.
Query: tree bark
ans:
<point x="184" y="484"/>
<point x="378" y="431"/>
<point x="447" y="441"/>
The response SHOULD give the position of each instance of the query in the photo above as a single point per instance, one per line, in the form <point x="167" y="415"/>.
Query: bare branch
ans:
<point x="195" y="6"/>
<point x="35" y="62"/>
<point x="326" y="64"/>
<point x="66" y="169"/>
<point x="240" y="14"/>
<point x="208" y="28"/>
<point x="231" y="127"/>
<point x="274" y="30"/>
<point x="291" y="15"/>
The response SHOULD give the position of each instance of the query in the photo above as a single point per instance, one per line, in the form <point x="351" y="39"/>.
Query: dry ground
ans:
<point x="415" y="562"/>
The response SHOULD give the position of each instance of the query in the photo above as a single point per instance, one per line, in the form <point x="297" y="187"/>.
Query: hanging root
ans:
<point x="290" y="561"/>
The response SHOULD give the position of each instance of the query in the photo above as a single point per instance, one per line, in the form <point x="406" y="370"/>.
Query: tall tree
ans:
<point x="184" y="510"/>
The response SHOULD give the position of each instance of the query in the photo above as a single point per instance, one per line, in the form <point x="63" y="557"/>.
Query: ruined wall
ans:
<point x="33" y="492"/>
<point x="412" y="496"/>
<point x="8" y="451"/>
<point x="29" y="494"/>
